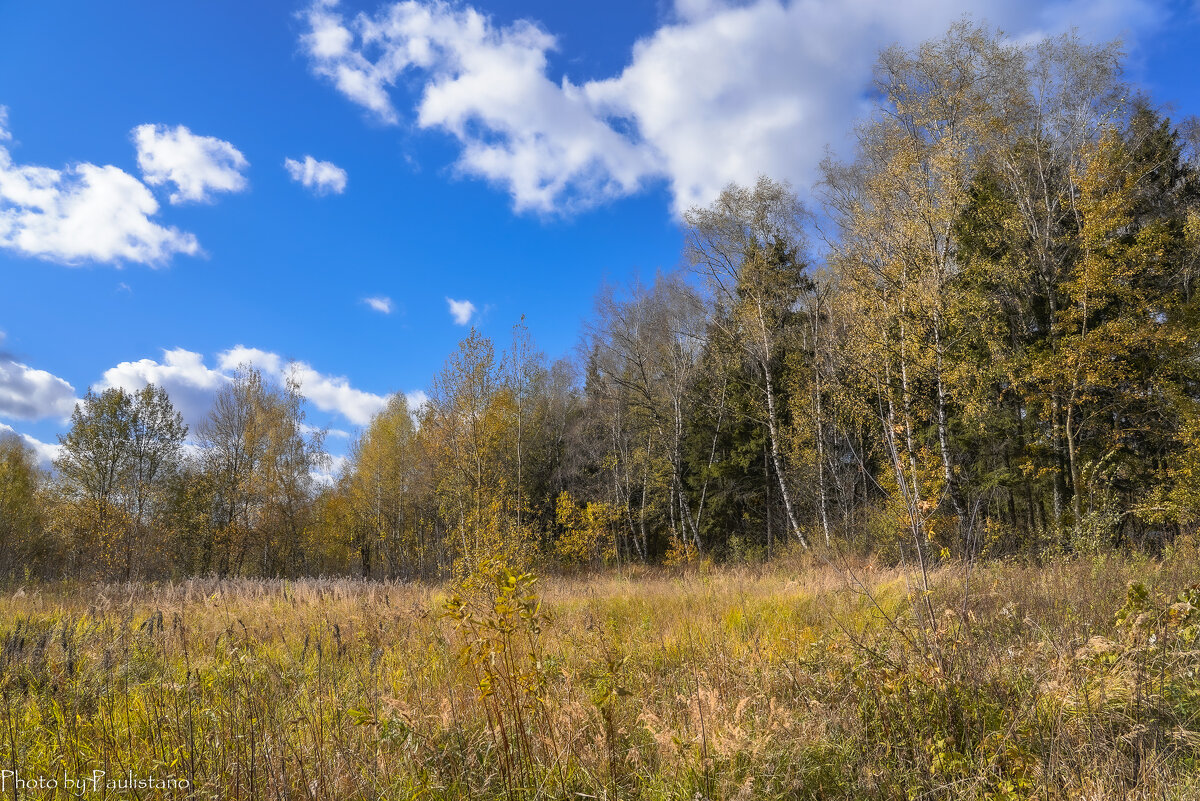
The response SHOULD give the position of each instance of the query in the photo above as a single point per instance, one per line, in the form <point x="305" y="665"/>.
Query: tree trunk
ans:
<point x="765" y="363"/>
<point x="944" y="440"/>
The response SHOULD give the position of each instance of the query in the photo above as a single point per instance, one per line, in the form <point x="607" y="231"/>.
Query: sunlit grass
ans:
<point x="785" y="681"/>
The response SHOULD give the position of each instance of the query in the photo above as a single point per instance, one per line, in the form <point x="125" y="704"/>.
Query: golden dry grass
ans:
<point x="786" y="681"/>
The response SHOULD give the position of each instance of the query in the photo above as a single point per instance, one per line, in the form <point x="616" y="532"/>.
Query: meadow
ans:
<point x="1068" y="678"/>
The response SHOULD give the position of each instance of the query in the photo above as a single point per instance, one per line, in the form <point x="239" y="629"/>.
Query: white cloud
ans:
<point x="29" y="394"/>
<point x="416" y="399"/>
<point x="334" y="394"/>
<point x="197" y="165"/>
<point x="330" y="45"/>
<point x="45" y="452"/>
<point x="336" y="433"/>
<point x="726" y="92"/>
<point x="238" y="355"/>
<point x="84" y="212"/>
<point x="487" y="86"/>
<point x="461" y="310"/>
<point x="327" y="393"/>
<point x="190" y="383"/>
<point x="322" y="177"/>
<point x="328" y="473"/>
<point x="380" y="303"/>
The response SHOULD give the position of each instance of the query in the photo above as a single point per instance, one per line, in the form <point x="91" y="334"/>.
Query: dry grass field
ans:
<point x="1073" y="678"/>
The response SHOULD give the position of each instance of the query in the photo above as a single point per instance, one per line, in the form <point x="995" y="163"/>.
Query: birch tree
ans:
<point x="748" y="247"/>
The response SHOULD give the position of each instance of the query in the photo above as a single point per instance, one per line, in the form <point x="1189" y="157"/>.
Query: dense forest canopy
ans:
<point x="995" y="352"/>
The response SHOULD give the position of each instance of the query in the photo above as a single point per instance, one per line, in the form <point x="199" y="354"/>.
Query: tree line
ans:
<point x="981" y="340"/>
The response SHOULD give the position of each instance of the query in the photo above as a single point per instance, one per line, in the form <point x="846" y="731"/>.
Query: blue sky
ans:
<point x="506" y="156"/>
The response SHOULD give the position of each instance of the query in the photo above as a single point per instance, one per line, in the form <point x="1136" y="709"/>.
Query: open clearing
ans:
<point x="1062" y="679"/>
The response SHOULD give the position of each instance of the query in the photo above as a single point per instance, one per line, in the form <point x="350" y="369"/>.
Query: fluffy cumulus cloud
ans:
<point x="416" y="399"/>
<point x="331" y="433"/>
<point x="723" y="92"/>
<point x="487" y="86"/>
<point x="45" y="452"/>
<point x="319" y="177"/>
<point x="84" y="212"/>
<point x="192" y="384"/>
<point x="29" y="394"/>
<point x="328" y="472"/>
<point x="461" y="310"/>
<point x="380" y="303"/>
<point x="328" y="393"/>
<point x="198" y="166"/>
